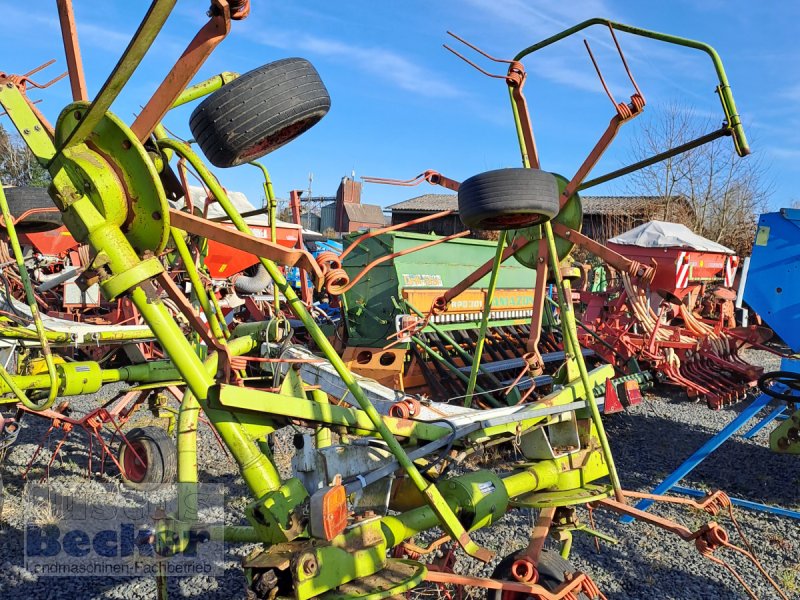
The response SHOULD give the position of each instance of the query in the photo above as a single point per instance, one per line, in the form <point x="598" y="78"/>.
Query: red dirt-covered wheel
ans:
<point x="148" y="458"/>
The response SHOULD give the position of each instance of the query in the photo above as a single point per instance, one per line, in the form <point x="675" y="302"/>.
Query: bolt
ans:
<point x="86" y="186"/>
<point x="26" y="132"/>
<point x="310" y="566"/>
<point x="126" y="144"/>
<point x="37" y="128"/>
<point x="78" y="115"/>
<point x="156" y="215"/>
<point x="9" y="85"/>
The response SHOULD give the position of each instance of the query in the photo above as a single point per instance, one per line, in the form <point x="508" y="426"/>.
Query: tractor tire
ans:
<point x="508" y="199"/>
<point x="159" y="458"/>
<point x="551" y="570"/>
<point x="26" y="198"/>
<point x="259" y="112"/>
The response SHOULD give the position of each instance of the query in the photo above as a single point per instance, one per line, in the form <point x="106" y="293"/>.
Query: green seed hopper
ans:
<point x="400" y="288"/>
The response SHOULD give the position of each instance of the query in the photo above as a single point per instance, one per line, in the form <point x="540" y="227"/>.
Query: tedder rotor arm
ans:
<point x="615" y="259"/>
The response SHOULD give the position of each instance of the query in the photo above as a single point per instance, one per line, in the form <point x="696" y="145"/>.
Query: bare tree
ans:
<point x="724" y="192"/>
<point x="18" y="166"/>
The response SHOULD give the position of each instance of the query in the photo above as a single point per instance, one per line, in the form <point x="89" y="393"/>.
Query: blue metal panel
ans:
<point x="773" y="281"/>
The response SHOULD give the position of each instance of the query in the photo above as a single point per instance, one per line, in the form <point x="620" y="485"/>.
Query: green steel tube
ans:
<point x="150" y="372"/>
<point x="566" y="546"/>
<point x="240" y="534"/>
<point x="21" y="333"/>
<point x="13" y="387"/>
<point x="570" y="332"/>
<point x="11" y="231"/>
<point x="255" y="467"/>
<point x="463" y="354"/>
<point x="125" y="335"/>
<point x="451" y="367"/>
<point x="193" y="93"/>
<point x="204" y="88"/>
<point x="269" y="194"/>
<point x="397" y="528"/>
<point x="299" y="309"/>
<point x="148" y="30"/>
<point x="725" y="93"/>
<point x="267" y="478"/>
<point x="218" y="310"/>
<point x="197" y="284"/>
<point x="487" y="309"/>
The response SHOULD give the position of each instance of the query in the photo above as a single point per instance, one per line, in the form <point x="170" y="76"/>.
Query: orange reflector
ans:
<point x="328" y="512"/>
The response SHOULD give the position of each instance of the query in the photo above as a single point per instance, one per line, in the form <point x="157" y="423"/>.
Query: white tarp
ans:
<point x="660" y="234"/>
<point x="240" y="203"/>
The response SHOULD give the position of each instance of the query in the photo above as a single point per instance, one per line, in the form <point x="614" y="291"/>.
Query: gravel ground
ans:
<point x="648" y="440"/>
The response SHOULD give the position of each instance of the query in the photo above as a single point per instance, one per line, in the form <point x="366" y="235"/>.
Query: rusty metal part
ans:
<point x="616" y="260"/>
<point x="576" y="584"/>
<point x="189" y="63"/>
<point x="527" y="572"/>
<point x="375" y="232"/>
<point x="441" y="303"/>
<point x="255" y="246"/>
<point x="515" y="79"/>
<point x="334" y="280"/>
<point x="625" y="112"/>
<point x="431" y="176"/>
<point x="240" y="9"/>
<point x="72" y="50"/>
<point x="539" y="296"/>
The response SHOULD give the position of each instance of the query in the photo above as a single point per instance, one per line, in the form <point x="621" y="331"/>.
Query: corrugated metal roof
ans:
<point x="616" y="205"/>
<point x="365" y="213"/>
<point x="592" y="205"/>
<point x="428" y="203"/>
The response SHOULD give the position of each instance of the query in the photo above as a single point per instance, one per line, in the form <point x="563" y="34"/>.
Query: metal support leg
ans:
<point x="775" y="414"/>
<point x="704" y="451"/>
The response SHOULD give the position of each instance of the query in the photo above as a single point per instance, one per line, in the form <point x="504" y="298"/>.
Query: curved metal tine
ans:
<point x="41" y="86"/>
<point x="479" y="51"/>
<point x="624" y="62"/>
<point x="388" y="181"/>
<point x="600" y="75"/>
<point x="39" y="68"/>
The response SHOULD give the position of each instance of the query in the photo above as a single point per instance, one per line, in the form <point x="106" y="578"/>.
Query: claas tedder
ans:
<point x="367" y="479"/>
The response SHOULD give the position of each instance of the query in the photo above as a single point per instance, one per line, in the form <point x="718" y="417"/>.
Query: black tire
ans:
<point x="25" y="198"/>
<point x="159" y="458"/>
<point x="260" y="111"/>
<point x="551" y="570"/>
<point x="508" y="199"/>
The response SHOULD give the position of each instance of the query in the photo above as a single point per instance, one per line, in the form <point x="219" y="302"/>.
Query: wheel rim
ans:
<point x="135" y="468"/>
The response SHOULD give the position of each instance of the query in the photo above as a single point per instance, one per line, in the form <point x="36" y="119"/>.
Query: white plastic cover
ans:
<point x="661" y="234"/>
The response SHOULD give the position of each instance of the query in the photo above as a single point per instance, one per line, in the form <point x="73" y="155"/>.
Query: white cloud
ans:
<point x="371" y="60"/>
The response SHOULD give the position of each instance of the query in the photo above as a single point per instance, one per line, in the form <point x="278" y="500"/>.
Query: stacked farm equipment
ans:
<point x="338" y="526"/>
<point x="690" y="339"/>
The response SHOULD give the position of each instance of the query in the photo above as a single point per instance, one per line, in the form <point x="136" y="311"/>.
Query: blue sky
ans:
<point x="402" y="104"/>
